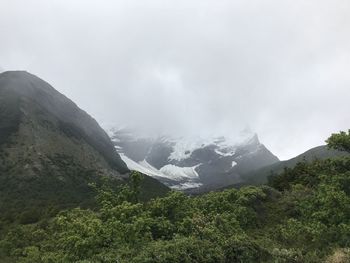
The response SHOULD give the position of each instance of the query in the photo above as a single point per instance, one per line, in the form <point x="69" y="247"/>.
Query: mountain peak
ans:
<point x="51" y="150"/>
<point x="192" y="161"/>
<point x="26" y="84"/>
<point x="25" y="96"/>
<point x="19" y="75"/>
<point x="254" y="139"/>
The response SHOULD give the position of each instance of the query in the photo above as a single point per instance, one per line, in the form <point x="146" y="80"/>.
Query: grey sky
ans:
<point x="280" y="67"/>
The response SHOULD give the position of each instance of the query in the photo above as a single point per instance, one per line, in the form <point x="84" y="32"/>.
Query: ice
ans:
<point x="140" y="167"/>
<point x="187" y="185"/>
<point x="176" y="172"/>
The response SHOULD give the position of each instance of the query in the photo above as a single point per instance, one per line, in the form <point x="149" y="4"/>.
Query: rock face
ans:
<point x="26" y="99"/>
<point x="50" y="149"/>
<point x="194" y="163"/>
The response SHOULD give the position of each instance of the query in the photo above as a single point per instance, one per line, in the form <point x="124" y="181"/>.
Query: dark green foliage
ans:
<point x="29" y="198"/>
<point x="176" y="228"/>
<point x="151" y="188"/>
<point x="340" y="141"/>
<point x="307" y="219"/>
<point x="310" y="174"/>
<point x="9" y="115"/>
<point x="261" y="175"/>
<point x="107" y="151"/>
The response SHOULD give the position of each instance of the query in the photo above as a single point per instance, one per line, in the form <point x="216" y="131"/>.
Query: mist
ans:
<point x="192" y="67"/>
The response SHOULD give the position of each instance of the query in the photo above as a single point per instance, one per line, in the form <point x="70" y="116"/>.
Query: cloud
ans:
<point x="280" y="67"/>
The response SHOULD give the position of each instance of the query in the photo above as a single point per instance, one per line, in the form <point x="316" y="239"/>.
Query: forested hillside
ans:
<point x="261" y="175"/>
<point x="50" y="151"/>
<point x="303" y="215"/>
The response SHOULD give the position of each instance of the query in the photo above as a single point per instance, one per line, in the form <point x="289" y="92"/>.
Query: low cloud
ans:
<point x="279" y="67"/>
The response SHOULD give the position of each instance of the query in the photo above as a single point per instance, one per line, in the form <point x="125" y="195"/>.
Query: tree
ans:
<point x="136" y="179"/>
<point x="339" y="141"/>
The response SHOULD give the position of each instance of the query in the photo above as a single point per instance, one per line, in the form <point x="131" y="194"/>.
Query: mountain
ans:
<point x="192" y="163"/>
<point x="259" y="176"/>
<point x="50" y="149"/>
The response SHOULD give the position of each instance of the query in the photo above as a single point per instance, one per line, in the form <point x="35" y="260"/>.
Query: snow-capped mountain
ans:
<point x="192" y="162"/>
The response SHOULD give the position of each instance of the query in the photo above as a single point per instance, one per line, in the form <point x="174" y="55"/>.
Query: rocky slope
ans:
<point x="50" y="149"/>
<point x="192" y="162"/>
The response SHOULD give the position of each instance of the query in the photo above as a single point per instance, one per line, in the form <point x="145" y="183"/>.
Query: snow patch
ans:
<point x="234" y="163"/>
<point x="175" y="172"/>
<point x="225" y="154"/>
<point x="184" y="147"/>
<point x="225" y="146"/>
<point x="149" y="167"/>
<point x="169" y="171"/>
<point x="188" y="185"/>
<point x="140" y="167"/>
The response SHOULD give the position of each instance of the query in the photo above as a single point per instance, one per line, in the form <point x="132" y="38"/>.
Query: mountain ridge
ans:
<point x="260" y="176"/>
<point x="72" y="121"/>
<point x="51" y="151"/>
<point x="191" y="162"/>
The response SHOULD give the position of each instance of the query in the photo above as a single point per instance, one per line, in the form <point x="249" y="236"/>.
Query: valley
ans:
<point x="72" y="192"/>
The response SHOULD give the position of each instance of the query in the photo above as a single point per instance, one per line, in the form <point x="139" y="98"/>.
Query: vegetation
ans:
<point x="303" y="215"/>
<point x="260" y="176"/>
<point x="340" y="141"/>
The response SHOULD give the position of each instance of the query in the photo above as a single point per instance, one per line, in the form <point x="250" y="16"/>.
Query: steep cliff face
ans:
<point x="26" y="99"/>
<point x="50" y="149"/>
<point x="191" y="162"/>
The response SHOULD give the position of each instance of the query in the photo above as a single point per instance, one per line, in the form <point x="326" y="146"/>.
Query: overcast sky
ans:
<point x="280" y="67"/>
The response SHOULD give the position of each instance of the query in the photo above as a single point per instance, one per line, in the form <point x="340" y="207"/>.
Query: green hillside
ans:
<point x="50" y="153"/>
<point x="260" y="176"/>
<point x="302" y="216"/>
